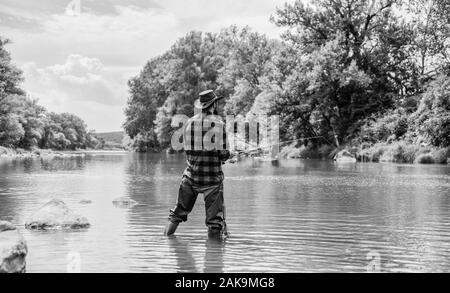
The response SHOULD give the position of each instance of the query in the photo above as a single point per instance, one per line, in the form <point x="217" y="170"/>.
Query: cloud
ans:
<point x="128" y="38"/>
<point x="83" y="86"/>
<point x="207" y="15"/>
<point x="132" y="34"/>
<point x="78" y="63"/>
<point x="79" y="78"/>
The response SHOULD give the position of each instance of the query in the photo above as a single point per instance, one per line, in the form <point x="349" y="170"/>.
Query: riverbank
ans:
<point x="35" y="153"/>
<point x="396" y="152"/>
<point x="22" y="153"/>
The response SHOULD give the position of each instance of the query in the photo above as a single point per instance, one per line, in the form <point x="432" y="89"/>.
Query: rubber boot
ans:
<point x="171" y="227"/>
<point x="214" y="233"/>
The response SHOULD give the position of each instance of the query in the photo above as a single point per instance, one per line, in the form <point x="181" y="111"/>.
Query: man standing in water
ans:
<point x="204" y="171"/>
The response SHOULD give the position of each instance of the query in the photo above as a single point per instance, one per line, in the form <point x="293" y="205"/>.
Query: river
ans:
<point x="295" y="216"/>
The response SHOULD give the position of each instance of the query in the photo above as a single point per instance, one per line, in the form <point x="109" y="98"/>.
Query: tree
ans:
<point x="26" y="124"/>
<point x="10" y="75"/>
<point x="343" y="67"/>
<point x="11" y="131"/>
<point x="170" y="81"/>
<point x="249" y="60"/>
<point x="432" y="118"/>
<point x="350" y="65"/>
<point x="430" y="25"/>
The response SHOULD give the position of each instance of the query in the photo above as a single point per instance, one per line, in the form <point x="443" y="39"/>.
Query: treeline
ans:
<point x="354" y="72"/>
<point x="233" y="62"/>
<point x="25" y="124"/>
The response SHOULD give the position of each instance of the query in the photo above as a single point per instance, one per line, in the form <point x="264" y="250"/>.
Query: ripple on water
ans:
<point x="303" y="216"/>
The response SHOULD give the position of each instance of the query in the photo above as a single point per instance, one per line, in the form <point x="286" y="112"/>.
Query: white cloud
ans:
<point x="121" y="44"/>
<point x="207" y="15"/>
<point x="79" y="78"/>
<point x="79" y="85"/>
<point x="81" y="63"/>
<point x="128" y="38"/>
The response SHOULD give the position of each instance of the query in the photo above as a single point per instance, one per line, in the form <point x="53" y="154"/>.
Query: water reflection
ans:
<point x="185" y="261"/>
<point x="214" y="255"/>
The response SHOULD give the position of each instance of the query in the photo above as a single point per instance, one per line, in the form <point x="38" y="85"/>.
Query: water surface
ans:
<point x="297" y="216"/>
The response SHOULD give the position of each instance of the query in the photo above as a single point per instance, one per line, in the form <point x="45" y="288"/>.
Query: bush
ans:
<point x="424" y="159"/>
<point x="307" y="152"/>
<point x="145" y="142"/>
<point x="438" y="129"/>
<point x="290" y="152"/>
<point x="374" y="153"/>
<point x="326" y="151"/>
<point x="440" y="156"/>
<point x="389" y="126"/>
<point x="403" y="153"/>
<point x="397" y="152"/>
<point x="400" y="127"/>
<point x="432" y="118"/>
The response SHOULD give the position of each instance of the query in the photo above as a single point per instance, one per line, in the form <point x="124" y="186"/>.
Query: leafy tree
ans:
<point x="26" y="124"/>
<point x="430" y="25"/>
<point x="10" y="75"/>
<point x="432" y="118"/>
<point x="167" y="83"/>
<point x="249" y="61"/>
<point x="345" y="70"/>
<point x="11" y="131"/>
<point x="350" y="65"/>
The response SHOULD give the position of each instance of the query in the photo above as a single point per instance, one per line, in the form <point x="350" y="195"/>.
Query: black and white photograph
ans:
<point x="250" y="138"/>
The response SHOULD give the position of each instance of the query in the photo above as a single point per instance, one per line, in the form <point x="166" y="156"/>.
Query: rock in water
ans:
<point x="13" y="250"/>
<point x="124" y="201"/>
<point x="6" y="226"/>
<point x="56" y="215"/>
<point x="85" y="201"/>
<point x="344" y="156"/>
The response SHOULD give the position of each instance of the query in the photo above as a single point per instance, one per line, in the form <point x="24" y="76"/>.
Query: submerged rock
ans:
<point x="344" y="156"/>
<point x="13" y="250"/>
<point x="124" y="201"/>
<point x="56" y="215"/>
<point x="85" y="201"/>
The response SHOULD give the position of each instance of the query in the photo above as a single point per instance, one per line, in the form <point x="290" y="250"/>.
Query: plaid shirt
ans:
<point x="205" y="159"/>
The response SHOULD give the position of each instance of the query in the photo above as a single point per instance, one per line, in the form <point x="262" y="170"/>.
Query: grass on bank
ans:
<point x="396" y="152"/>
<point x="401" y="152"/>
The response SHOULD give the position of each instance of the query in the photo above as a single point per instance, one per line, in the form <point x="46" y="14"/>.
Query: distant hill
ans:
<point x="115" y="137"/>
<point x="112" y="140"/>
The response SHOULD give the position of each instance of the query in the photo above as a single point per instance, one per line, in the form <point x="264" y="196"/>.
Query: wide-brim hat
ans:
<point x="207" y="98"/>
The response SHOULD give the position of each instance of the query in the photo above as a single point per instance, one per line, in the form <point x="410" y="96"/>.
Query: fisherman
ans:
<point x="203" y="174"/>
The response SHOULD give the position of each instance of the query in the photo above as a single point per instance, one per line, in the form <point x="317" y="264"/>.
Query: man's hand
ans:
<point x="233" y="157"/>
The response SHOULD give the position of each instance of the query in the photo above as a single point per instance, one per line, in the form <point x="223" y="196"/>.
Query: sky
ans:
<point x="77" y="55"/>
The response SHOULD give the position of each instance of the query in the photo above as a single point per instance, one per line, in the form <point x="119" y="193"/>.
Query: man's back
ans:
<point x="205" y="144"/>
